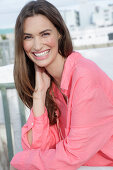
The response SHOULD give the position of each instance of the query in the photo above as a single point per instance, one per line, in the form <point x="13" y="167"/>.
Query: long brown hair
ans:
<point x="24" y="72"/>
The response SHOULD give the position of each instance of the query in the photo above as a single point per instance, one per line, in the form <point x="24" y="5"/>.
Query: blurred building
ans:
<point x="72" y="18"/>
<point x="89" y="23"/>
<point x="78" y="16"/>
<point x="103" y="16"/>
<point x="88" y="14"/>
<point x="93" y="37"/>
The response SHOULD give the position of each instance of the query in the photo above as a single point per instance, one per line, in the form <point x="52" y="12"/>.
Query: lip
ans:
<point x="40" y="51"/>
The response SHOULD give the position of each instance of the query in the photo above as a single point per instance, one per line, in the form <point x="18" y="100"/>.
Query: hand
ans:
<point x="42" y="80"/>
<point x="42" y="83"/>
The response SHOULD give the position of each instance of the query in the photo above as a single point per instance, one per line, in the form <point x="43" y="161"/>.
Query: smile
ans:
<point x="41" y="54"/>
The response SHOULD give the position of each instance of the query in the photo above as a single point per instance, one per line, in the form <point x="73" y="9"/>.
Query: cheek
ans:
<point x="52" y="42"/>
<point x="27" y="46"/>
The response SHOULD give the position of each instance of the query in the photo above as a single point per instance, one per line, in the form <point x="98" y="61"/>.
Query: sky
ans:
<point x="9" y="9"/>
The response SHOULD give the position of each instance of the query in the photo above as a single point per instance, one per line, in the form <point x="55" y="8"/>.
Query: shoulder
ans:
<point x="85" y="69"/>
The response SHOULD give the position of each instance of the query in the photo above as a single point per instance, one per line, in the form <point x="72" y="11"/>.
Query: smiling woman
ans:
<point x="70" y="97"/>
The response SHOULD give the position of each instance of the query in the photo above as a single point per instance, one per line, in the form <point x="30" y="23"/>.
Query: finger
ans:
<point x="39" y="69"/>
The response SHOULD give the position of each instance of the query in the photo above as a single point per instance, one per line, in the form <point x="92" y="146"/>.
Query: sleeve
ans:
<point x="91" y="127"/>
<point x="44" y="136"/>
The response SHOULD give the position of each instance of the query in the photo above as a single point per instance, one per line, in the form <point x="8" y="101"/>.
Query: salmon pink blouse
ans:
<point x="83" y="135"/>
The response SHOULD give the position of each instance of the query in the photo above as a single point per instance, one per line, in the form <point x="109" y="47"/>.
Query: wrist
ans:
<point x="38" y="103"/>
<point x="39" y="95"/>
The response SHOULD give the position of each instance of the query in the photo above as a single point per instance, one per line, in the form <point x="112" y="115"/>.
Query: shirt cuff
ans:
<point x="31" y="120"/>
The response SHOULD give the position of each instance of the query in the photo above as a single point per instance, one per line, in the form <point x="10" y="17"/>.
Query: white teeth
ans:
<point x="41" y="54"/>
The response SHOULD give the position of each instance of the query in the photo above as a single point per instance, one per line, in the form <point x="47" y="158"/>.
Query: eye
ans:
<point x="26" y="37"/>
<point x="46" y="34"/>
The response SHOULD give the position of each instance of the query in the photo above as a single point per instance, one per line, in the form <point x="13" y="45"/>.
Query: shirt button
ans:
<point x="32" y="123"/>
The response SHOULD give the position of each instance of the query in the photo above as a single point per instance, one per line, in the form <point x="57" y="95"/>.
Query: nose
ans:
<point x="37" y="44"/>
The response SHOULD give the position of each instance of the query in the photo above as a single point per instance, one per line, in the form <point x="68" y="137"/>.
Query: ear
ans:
<point x="59" y="36"/>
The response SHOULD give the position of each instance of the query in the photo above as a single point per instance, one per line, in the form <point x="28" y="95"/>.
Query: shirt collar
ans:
<point x="67" y="74"/>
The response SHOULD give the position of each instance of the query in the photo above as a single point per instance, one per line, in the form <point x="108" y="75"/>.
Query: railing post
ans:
<point x="22" y="112"/>
<point x="7" y="123"/>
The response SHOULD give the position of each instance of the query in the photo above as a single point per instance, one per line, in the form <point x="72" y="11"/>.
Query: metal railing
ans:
<point x="3" y="89"/>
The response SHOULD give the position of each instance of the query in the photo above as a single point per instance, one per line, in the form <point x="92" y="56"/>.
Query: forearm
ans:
<point x="38" y="110"/>
<point x="38" y="106"/>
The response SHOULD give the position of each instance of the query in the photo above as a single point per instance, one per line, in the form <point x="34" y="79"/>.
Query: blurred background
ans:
<point x="90" y="23"/>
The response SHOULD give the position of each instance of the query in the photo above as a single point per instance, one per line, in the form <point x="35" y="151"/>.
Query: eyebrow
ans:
<point x="40" y="32"/>
<point x="45" y="31"/>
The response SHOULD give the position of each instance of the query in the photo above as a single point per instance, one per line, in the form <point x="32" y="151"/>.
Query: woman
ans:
<point x="70" y="97"/>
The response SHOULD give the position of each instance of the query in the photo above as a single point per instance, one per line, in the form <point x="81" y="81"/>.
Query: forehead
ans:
<point x="37" y="22"/>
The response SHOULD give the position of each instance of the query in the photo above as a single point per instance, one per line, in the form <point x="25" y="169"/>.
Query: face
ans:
<point x="40" y="40"/>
